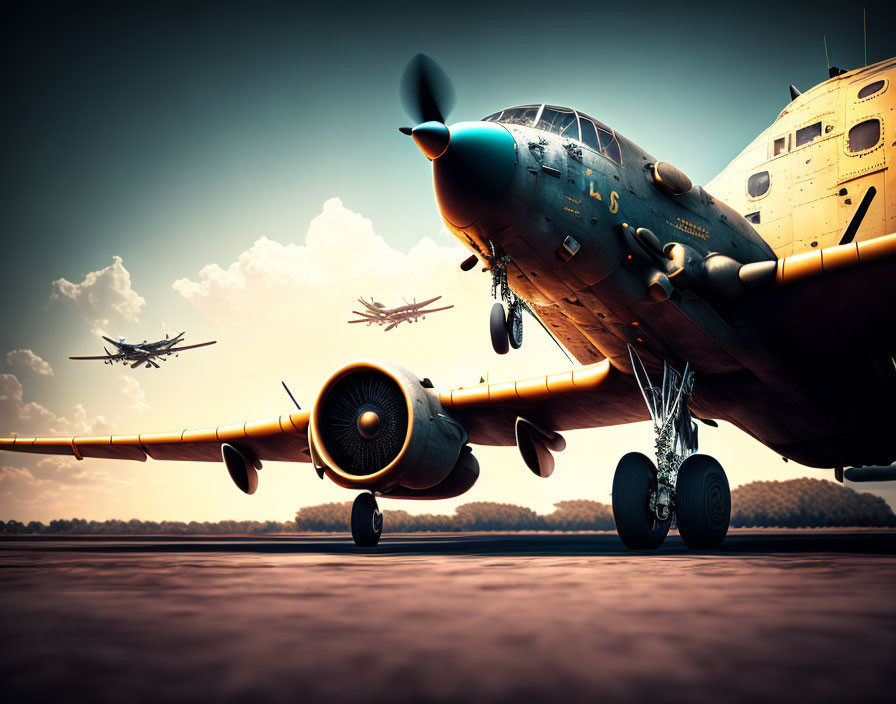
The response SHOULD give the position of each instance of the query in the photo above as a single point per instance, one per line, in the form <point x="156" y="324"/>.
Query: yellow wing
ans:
<point x="593" y="396"/>
<point x="282" y="438"/>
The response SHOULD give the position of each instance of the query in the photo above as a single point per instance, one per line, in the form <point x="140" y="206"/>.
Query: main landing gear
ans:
<point x="693" y="488"/>
<point x="367" y="520"/>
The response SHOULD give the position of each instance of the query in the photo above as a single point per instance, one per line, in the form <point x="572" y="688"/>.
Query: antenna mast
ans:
<point x="865" y="35"/>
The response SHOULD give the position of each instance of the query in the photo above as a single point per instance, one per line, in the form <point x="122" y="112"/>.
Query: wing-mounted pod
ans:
<point x="375" y="426"/>
<point x="535" y="445"/>
<point x="242" y="466"/>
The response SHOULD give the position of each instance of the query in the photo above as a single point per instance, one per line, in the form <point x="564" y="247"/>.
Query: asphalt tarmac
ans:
<point x="772" y="616"/>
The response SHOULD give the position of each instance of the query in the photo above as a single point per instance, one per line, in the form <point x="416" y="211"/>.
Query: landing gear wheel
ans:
<point x="367" y="521"/>
<point x="497" y="325"/>
<point x="636" y="523"/>
<point x="703" y="502"/>
<point x="515" y="325"/>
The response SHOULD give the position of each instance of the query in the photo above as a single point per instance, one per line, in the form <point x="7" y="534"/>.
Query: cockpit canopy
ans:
<point x="565" y="122"/>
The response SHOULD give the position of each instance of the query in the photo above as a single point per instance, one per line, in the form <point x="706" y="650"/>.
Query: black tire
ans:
<point x="367" y="521"/>
<point x="636" y="524"/>
<point x="514" y="326"/>
<point x="703" y="502"/>
<point x="497" y="326"/>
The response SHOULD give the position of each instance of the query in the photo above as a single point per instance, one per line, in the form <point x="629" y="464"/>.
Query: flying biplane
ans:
<point x="135" y="354"/>
<point x="375" y="313"/>
<point x="764" y="300"/>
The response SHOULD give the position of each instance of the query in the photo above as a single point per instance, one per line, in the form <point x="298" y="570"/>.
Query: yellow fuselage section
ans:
<point x="801" y="181"/>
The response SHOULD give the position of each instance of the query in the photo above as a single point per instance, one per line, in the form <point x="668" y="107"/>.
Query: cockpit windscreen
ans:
<point x="564" y="122"/>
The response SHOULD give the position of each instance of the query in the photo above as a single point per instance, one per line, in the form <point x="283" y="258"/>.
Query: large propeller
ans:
<point x="427" y="94"/>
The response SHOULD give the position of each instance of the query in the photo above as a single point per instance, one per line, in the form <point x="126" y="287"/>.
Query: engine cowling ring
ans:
<point x="375" y="426"/>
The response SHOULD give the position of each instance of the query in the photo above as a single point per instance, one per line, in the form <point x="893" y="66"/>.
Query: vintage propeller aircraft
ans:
<point x="778" y="310"/>
<point x="144" y="352"/>
<point x="376" y="313"/>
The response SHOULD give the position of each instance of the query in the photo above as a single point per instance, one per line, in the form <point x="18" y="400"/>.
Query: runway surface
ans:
<point x="771" y="616"/>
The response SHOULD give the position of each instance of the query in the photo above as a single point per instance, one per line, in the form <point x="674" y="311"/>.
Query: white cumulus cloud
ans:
<point x="21" y="360"/>
<point x="29" y="419"/>
<point x="101" y="295"/>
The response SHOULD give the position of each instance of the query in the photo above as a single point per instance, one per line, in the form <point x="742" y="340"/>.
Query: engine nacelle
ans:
<point x="376" y="426"/>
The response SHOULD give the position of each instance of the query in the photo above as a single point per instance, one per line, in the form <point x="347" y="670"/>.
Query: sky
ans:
<point x="235" y="170"/>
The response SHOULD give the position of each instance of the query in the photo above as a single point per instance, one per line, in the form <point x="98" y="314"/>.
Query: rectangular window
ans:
<point x="780" y="146"/>
<point x="807" y="134"/>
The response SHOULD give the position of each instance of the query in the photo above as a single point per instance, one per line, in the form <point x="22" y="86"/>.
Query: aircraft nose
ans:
<point x="473" y="171"/>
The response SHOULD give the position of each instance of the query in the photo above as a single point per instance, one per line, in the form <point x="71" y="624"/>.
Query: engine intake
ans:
<point x="375" y="426"/>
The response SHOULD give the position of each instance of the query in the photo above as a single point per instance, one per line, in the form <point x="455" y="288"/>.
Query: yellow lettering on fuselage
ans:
<point x="592" y="192"/>
<point x="614" y="202"/>
<point x="689" y="227"/>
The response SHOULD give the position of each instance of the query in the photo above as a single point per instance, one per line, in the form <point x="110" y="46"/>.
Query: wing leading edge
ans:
<point x="280" y="438"/>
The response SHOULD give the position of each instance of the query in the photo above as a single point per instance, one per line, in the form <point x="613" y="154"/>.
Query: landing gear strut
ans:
<point x="692" y="487"/>
<point x="367" y="521"/>
<point x="506" y="329"/>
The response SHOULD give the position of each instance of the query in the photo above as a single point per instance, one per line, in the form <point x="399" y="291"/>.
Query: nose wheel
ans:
<point x="506" y="330"/>
<point x="497" y="326"/>
<point x="514" y="324"/>
<point x="367" y="521"/>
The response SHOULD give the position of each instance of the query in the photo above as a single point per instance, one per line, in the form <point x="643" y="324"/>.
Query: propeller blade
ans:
<point x="427" y="94"/>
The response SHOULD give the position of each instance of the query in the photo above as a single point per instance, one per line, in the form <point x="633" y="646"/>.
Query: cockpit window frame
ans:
<point x="601" y="127"/>
<point x="613" y="145"/>
<point x="559" y="110"/>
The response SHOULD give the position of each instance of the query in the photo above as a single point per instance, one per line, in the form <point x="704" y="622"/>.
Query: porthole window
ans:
<point x="870" y="89"/>
<point x="863" y="136"/>
<point x="757" y="184"/>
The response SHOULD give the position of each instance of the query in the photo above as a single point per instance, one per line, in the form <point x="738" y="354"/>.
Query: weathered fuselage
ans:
<point x="565" y="214"/>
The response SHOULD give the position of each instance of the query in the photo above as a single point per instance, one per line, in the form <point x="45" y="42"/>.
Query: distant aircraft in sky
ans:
<point x="144" y="352"/>
<point x="376" y="312"/>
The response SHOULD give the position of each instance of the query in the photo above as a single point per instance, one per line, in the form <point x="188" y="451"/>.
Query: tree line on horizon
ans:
<point x="794" y="503"/>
